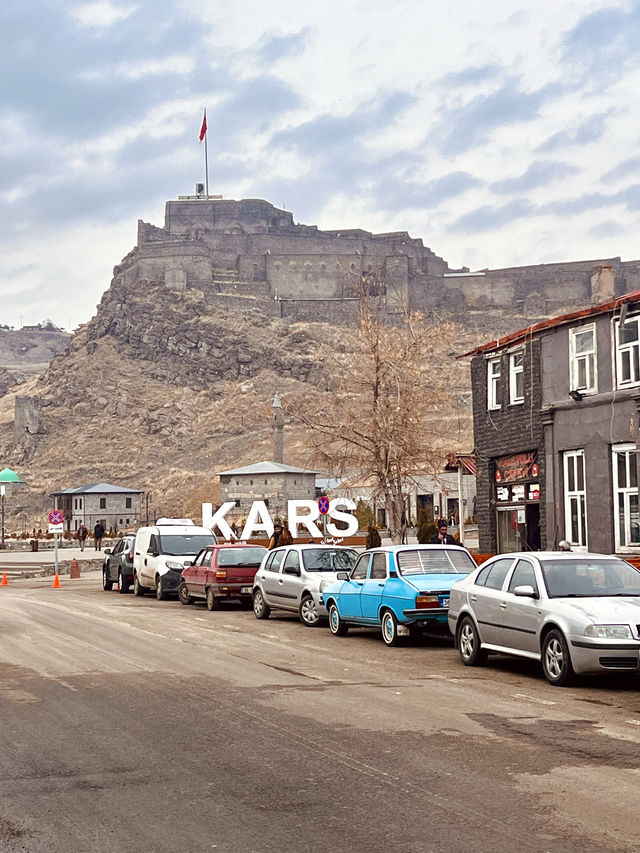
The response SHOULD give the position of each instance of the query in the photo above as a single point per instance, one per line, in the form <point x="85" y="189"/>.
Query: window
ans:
<point x="575" y="499"/>
<point x="516" y="377"/>
<point x="292" y="563"/>
<point x="628" y="352"/>
<point x="360" y="569"/>
<point x="127" y="503"/>
<point x="523" y="575"/>
<point x="237" y="502"/>
<point x="497" y="574"/>
<point x="582" y="359"/>
<point x="379" y="567"/>
<point x="103" y="503"/>
<point x="493" y="383"/>
<point x="625" y="496"/>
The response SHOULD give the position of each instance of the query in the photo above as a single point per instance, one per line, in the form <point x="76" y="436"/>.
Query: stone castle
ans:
<point x="251" y="250"/>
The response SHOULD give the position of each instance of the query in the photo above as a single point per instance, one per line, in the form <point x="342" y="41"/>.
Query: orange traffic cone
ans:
<point x="56" y="582"/>
<point x="5" y="582"/>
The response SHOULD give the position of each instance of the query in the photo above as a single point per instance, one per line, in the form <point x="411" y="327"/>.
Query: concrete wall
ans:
<point x="27" y="417"/>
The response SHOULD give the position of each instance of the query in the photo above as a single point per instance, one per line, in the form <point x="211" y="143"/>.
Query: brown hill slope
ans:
<point x="162" y="389"/>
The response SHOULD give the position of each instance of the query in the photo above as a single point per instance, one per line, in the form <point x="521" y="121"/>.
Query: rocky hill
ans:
<point x="25" y="353"/>
<point x="162" y="389"/>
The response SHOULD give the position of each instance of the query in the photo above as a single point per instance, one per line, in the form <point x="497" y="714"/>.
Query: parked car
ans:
<point x="161" y="552"/>
<point x="403" y="589"/>
<point x="575" y="613"/>
<point x="221" y="572"/>
<point x="118" y="564"/>
<point x="292" y="578"/>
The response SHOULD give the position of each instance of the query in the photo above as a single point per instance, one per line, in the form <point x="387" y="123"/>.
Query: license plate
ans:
<point x="444" y="602"/>
<point x="245" y="590"/>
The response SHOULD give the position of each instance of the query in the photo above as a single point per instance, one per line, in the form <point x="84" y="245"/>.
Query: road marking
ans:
<point x="533" y="699"/>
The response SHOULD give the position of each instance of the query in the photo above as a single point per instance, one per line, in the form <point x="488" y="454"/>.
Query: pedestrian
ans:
<point x="277" y="533"/>
<point x="98" y="533"/>
<point x="83" y="532"/>
<point x="442" y="537"/>
<point x="373" y="538"/>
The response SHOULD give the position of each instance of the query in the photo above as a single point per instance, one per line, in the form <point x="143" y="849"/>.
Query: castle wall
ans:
<point x="26" y="417"/>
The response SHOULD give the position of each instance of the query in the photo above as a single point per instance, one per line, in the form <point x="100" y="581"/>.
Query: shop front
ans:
<point x="517" y="502"/>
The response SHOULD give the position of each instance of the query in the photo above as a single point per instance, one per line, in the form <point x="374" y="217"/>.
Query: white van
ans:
<point x="161" y="551"/>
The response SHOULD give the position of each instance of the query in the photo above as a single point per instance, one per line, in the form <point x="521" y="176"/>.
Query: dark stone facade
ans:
<point x="509" y="430"/>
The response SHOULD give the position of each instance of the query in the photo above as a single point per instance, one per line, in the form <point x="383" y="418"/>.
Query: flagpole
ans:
<point x="206" y="165"/>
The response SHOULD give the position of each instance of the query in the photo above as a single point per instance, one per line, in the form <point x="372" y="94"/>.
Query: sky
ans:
<point x="501" y="134"/>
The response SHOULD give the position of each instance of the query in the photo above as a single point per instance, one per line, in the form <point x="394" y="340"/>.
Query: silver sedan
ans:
<point x="575" y="613"/>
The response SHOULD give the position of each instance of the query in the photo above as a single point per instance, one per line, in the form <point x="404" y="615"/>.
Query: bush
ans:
<point x="364" y="514"/>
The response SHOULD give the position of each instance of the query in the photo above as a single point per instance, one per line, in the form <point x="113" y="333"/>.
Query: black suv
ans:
<point x="118" y="564"/>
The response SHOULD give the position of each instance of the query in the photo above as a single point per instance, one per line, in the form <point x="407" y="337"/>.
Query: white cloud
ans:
<point x="100" y="15"/>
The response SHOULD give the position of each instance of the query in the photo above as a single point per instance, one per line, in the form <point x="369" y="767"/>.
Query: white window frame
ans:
<point x="588" y="359"/>
<point x="627" y="494"/>
<point x="575" y="499"/>
<point x="493" y="383"/>
<point x="627" y="355"/>
<point x="514" y="372"/>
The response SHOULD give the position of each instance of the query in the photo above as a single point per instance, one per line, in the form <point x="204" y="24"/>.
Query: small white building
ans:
<point x="117" y="507"/>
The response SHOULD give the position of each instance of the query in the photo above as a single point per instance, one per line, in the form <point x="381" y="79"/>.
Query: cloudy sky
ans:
<point x="499" y="133"/>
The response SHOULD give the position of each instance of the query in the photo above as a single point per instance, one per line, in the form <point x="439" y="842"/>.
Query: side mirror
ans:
<point x="187" y="563"/>
<point x="107" y="550"/>
<point x="292" y="570"/>
<point x="525" y="591"/>
<point x="342" y="576"/>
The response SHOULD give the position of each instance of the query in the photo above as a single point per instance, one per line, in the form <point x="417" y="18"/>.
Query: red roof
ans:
<point x="523" y="334"/>
<point x="469" y="462"/>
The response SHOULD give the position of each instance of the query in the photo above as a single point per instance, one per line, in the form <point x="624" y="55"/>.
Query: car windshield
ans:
<point x="328" y="559"/>
<point x="249" y="557"/>
<point x="177" y="545"/>
<point x="583" y="577"/>
<point x="435" y="561"/>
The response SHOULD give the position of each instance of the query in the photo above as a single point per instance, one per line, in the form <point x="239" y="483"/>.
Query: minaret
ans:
<point x="278" y="424"/>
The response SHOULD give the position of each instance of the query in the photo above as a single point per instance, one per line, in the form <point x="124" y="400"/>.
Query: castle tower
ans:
<point x="278" y="424"/>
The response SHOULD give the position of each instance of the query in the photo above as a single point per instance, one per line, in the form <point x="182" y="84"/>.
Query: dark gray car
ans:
<point x="118" y="564"/>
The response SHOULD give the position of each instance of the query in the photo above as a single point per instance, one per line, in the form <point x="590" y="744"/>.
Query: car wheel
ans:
<point x="107" y="584"/>
<point x="260" y="606"/>
<point x="556" y="662"/>
<point x="213" y="603"/>
<point x="308" y="611"/>
<point x="183" y="594"/>
<point x="337" y="626"/>
<point x="390" y="629"/>
<point x="123" y="585"/>
<point x="161" y="594"/>
<point x="138" y="589"/>
<point x="469" y="648"/>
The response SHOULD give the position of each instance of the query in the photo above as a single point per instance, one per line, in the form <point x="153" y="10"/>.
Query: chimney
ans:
<point x="278" y="424"/>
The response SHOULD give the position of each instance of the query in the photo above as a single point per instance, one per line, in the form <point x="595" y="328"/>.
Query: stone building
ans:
<point x="117" y="507"/>
<point x="556" y="410"/>
<point x="271" y="482"/>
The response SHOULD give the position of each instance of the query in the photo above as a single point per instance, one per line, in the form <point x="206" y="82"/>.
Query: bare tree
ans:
<point x="384" y="419"/>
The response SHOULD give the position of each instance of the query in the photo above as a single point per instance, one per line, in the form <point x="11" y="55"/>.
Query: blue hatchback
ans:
<point x="400" y="588"/>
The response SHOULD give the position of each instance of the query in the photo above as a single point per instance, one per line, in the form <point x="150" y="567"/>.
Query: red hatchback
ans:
<point x="221" y="572"/>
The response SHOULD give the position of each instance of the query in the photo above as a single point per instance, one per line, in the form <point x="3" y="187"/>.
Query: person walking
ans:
<point x="442" y="537"/>
<point x="82" y="535"/>
<point x="98" y="533"/>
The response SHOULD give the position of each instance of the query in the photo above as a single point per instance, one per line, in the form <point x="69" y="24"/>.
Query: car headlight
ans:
<point x="171" y="564"/>
<point x="608" y="632"/>
<point x="324" y="585"/>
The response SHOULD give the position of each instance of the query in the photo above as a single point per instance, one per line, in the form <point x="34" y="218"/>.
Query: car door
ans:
<point x="349" y="605"/>
<point x="373" y="587"/>
<point x="114" y="560"/>
<point x="519" y="615"/>
<point x="199" y="571"/>
<point x="270" y="576"/>
<point x="289" y="581"/>
<point x="485" y="597"/>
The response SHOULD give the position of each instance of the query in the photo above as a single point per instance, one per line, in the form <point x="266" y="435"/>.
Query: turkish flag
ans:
<point x="203" y="129"/>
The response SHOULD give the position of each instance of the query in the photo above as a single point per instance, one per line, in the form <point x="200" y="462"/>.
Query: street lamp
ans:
<point x="2" y="545"/>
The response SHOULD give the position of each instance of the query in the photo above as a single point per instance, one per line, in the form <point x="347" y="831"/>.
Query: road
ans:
<point x="130" y="725"/>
